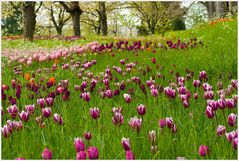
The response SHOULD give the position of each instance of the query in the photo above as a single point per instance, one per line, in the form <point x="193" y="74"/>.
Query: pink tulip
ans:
<point x="46" y="154"/>
<point x="79" y="144"/>
<point x="162" y="123"/>
<point x="93" y="153"/>
<point x="203" y="150"/>
<point x="126" y="143"/>
<point x="81" y="155"/>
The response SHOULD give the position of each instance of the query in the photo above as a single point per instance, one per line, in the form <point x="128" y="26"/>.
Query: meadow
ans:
<point x="172" y="97"/>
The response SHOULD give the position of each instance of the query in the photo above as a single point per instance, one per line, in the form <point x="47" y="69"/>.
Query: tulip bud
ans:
<point x="24" y="116"/>
<point x="46" y="112"/>
<point x="49" y="101"/>
<point x="58" y="119"/>
<point x="221" y="130"/>
<point x="87" y="135"/>
<point x="81" y="155"/>
<point x="79" y="144"/>
<point x="6" y="131"/>
<point x="232" y="119"/>
<point x="47" y="154"/>
<point x="174" y="129"/>
<point x="41" y="102"/>
<point x="94" y="112"/>
<point x="169" y="122"/>
<point x="85" y="96"/>
<point x="135" y="123"/>
<point x="127" y="98"/>
<point x="162" y="123"/>
<point x="118" y="119"/>
<point x="93" y="153"/>
<point x="30" y="108"/>
<point x="126" y="143"/>
<point x="152" y="136"/>
<point x="141" y="109"/>
<point x="13" y="111"/>
<point x="203" y="150"/>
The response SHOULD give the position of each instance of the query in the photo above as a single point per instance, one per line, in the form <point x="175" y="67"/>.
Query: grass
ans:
<point x="217" y="57"/>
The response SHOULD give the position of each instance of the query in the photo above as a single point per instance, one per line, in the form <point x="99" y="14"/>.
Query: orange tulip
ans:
<point x="27" y="76"/>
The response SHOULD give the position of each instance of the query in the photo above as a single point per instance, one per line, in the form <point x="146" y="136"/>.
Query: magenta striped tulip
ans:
<point x="129" y="155"/>
<point x="232" y="119"/>
<point x="203" y="150"/>
<point x="24" y="116"/>
<point x="95" y="112"/>
<point x="221" y="130"/>
<point x="79" y="144"/>
<point x="141" y="109"/>
<point x="30" y="108"/>
<point x="118" y="119"/>
<point x="46" y="112"/>
<point x="126" y="144"/>
<point x="6" y="131"/>
<point x="87" y="135"/>
<point x="58" y="119"/>
<point x="81" y="155"/>
<point x="169" y="122"/>
<point x="13" y="111"/>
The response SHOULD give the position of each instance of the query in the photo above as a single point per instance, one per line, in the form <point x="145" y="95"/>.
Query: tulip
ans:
<point x="135" y="123"/>
<point x="235" y="143"/>
<point x="81" y="155"/>
<point x="126" y="144"/>
<point x="122" y="61"/>
<point x="230" y="103"/>
<point x="196" y="83"/>
<point x="118" y="119"/>
<point x="174" y="128"/>
<point x="94" y="112"/>
<point x="58" y="119"/>
<point x="127" y="98"/>
<point x="154" y="149"/>
<point x="13" y="111"/>
<point x="46" y="154"/>
<point x="17" y="125"/>
<point x="116" y="109"/>
<point x="41" y="102"/>
<point x="141" y="109"/>
<point x="46" y="112"/>
<point x="234" y="84"/>
<point x="162" y="123"/>
<point x="203" y="150"/>
<point x="232" y="119"/>
<point x="79" y="144"/>
<point x="221" y="130"/>
<point x="171" y="93"/>
<point x="24" y="116"/>
<point x="152" y="136"/>
<point x="49" y="101"/>
<point x="129" y="155"/>
<point x="221" y="104"/>
<point x="87" y="135"/>
<point x="85" y="96"/>
<point x="169" y="122"/>
<point x="154" y="92"/>
<point x="153" y="60"/>
<point x="6" y="131"/>
<point x="209" y="112"/>
<point x="93" y="153"/>
<point x="14" y="84"/>
<point x="30" y="108"/>
<point x="109" y="93"/>
<point x="195" y="96"/>
<point x="202" y="75"/>
<point x="231" y="135"/>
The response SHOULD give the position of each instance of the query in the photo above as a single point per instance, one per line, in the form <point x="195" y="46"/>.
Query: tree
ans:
<point x="60" y="19"/>
<point x="103" y="17"/>
<point x="29" y="19"/>
<point x="75" y="11"/>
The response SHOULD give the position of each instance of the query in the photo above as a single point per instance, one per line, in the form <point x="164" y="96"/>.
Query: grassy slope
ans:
<point x="219" y="57"/>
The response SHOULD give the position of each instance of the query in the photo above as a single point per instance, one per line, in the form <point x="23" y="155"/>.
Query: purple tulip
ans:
<point x="127" y="98"/>
<point x="30" y="108"/>
<point x="46" y="154"/>
<point x="209" y="112"/>
<point x="171" y="93"/>
<point x="232" y="119"/>
<point x="24" y="116"/>
<point x="6" y="131"/>
<point x="203" y="150"/>
<point x="41" y="102"/>
<point x="87" y="135"/>
<point x="49" y="101"/>
<point x="162" y="123"/>
<point x="141" y="109"/>
<point x="109" y="93"/>
<point x="235" y="143"/>
<point x="118" y="119"/>
<point x="169" y="122"/>
<point x="79" y="144"/>
<point x="221" y="104"/>
<point x="230" y="103"/>
<point x="81" y="155"/>
<point x="202" y="75"/>
<point x="154" y="92"/>
<point x="196" y="83"/>
<point x="85" y="96"/>
<point x="13" y="111"/>
<point x="46" y="112"/>
<point x="135" y="123"/>
<point x="231" y="135"/>
<point x="93" y="153"/>
<point x="126" y="144"/>
<point x="94" y="112"/>
<point x="58" y="119"/>
<point x="221" y="130"/>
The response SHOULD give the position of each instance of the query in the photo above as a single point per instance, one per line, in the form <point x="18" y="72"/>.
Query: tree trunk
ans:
<point x="103" y="18"/>
<point x="219" y="9"/>
<point x="210" y="10"/>
<point x="29" y="20"/>
<point x="75" y="15"/>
